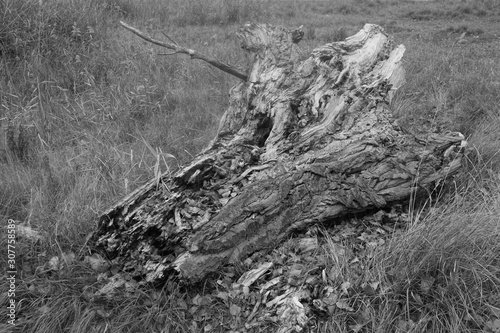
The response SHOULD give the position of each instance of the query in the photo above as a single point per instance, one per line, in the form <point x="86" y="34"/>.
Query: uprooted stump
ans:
<point x="302" y="142"/>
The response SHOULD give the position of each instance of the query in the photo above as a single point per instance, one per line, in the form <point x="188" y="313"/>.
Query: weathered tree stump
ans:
<point x="302" y="142"/>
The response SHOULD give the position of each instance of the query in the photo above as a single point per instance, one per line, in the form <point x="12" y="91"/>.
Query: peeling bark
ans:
<point x="302" y="142"/>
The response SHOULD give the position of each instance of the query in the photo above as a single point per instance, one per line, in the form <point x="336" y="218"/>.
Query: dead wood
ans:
<point x="192" y="53"/>
<point x="302" y="142"/>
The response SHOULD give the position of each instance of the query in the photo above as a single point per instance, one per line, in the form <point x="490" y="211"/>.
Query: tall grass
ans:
<point x="93" y="109"/>
<point x="185" y="13"/>
<point x="443" y="273"/>
<point x="452" y="87"/>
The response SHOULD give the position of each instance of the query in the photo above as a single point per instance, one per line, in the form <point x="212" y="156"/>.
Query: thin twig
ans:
<point x="169" y="38"/>
<point x="170" y="53"/>
<point x="192" y="53"/>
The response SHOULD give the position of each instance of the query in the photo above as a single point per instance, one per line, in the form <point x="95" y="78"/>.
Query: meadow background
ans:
<point x="89" y="112"/>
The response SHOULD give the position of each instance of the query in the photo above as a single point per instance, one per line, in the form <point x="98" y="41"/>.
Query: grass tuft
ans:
<point x="443" y="272"/>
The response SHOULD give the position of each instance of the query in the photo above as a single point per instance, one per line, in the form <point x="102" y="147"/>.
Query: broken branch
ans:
<point x="192" y="53"/>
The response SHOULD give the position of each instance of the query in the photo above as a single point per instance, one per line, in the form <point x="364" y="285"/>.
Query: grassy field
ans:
<point x="88" y="112"/>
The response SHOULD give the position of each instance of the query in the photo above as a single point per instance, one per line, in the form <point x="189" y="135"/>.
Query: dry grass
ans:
<point x="443" y="272"/>
<point x="88" y="113"/>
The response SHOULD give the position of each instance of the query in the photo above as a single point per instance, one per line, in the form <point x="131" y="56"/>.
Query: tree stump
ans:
<point x="302" y="142"/>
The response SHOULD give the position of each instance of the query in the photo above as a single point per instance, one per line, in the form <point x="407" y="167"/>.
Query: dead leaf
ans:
<point x="292" y="315"/>
<point x="57" y="263"/>
<point x="342" y="304"/>
<point x="44" y="309"/>
<point x="196" y="300"/>
<point x="248" y="278"/>
<point x="154" y="295"/>
<point x="345" y="287"/>
<point x="295" y="273"/>
<point x="426" y="284"/>
<point x="312" y="280"/>
<point x="235" y="310"/>
<point x="111" y="287"/>
<point x="331" y="299"/>
<point x="194" y="326"/>
<point x="271" y="283"/>
<point x="308" y="244"/>
<point x="97" y="263"/>
<point x="493" y="326"/>
<point x="356" y="328"/>
<point x="206" y="300"/>
<point x="494" y="310"/>
<point x="131" y="286"/>
<point x="222" y="295"/>
<point x="278" y="299"/>
<point x="193" y="309"/>
<point x="29" y="233"/>
<point x="334" y="273"/>
<point x="103" y="313"/>
<point x="102" y="277"/>
<point x="54" y="263"/>
<point x="45" y="289"/>
<point x="417" y="298"/>
<point x="405" y="326"/>
<point x="87" y="293"/>
<point x="374" y="285"/>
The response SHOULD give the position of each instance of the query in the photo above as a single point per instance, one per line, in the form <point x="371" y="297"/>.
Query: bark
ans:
<point x="302" y="142"/>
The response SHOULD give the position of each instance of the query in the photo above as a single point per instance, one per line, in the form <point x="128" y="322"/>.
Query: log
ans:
<point x="302" y="142"/>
